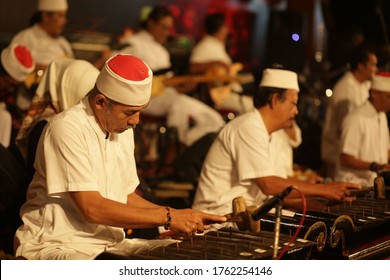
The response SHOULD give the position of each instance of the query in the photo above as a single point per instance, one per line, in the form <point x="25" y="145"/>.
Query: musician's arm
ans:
<point x="355" y="163"/>
<point x="271" y="185"/>
<point x="200" y="68"/>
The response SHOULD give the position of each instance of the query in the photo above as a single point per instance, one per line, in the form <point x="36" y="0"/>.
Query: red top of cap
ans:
<point x="383" y="74"/>
<point x="129" y="67"/>
<point x="24" y="56"/>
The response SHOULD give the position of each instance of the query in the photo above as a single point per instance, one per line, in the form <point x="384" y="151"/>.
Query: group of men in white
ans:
<point x="83" y="194"/>
<point x="355" y="137"/>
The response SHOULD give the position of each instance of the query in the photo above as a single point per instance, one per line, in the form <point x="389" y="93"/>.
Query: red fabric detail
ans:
<point x="383" y="74"/>
<point x="129" y="67"/>
<point x="24" y="56"/>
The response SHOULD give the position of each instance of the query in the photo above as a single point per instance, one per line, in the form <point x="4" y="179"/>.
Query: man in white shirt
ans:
<point x="365" y="136"/>
<point x="44" y="37"/>
<point x="83" y="194"/>
<point x="210" y="53"/>
<point x="178" y="108"/>
<point x="287" y="139"/>
<point x="242" y="161"/>
<point x="349" y="93"/>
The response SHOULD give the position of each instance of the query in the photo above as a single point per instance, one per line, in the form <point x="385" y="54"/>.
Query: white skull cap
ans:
<point x="52" y="5"/>
<point x="126" y="79"/>
<point x="279" y="78"/>
<point x="17" y="61"/>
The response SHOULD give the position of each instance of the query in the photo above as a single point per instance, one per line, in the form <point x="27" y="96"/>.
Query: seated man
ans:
<point x="169" y="101"/>
<point x="82" y="193"/>
<point x="210" y="55"/>
<point x="365" y="136"/>
<point x="350" y="91"/>
<point x="242" y="160"/>
<point x="43" y="37"/>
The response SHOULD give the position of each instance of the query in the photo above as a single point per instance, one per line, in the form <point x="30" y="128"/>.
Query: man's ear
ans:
<point x="100" y="99"/>
<point x="274" y="100"/>
<point x="361" y="66"/>
<point x="44" y="16"/>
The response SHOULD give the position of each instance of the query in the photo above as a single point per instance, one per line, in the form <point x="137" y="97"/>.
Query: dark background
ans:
<point x="246" y="17"/>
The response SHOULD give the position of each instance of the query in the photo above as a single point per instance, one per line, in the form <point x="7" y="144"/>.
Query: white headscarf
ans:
<point x="65" y="82"/>
<point x="68" y="81"/>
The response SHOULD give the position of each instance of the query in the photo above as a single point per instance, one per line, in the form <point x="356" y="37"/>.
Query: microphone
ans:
<point x="271" y="203"/>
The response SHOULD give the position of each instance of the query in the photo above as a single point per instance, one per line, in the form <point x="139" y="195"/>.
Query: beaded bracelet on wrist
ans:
<point x="167" y="224"/>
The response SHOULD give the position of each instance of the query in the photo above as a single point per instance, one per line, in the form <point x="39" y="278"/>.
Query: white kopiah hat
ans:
<point x="52" y="5"/>
<point x="126" y="79"/>
<point x="279" y="78"/>
<point x="17" y="61"/>
<point x="381" y="82"/>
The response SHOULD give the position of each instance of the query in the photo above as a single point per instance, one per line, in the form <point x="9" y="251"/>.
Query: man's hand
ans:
<point x="189" y="222"/>
<point x="340" y="191"/>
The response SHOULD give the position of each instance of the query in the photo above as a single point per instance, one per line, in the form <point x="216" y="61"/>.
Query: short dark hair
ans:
<point x="214" y="22"/>
<point x="156" y="14"/>
<point x="360" y="56"/>
<point x="37" y="17"/>
<point x="263" y="96"/>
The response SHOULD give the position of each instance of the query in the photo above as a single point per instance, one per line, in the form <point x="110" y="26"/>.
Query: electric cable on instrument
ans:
<point x="284" y="250"/>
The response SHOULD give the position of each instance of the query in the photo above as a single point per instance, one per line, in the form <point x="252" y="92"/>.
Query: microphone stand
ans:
<point x="277" y="203"/>
<point x="278" y="215"/>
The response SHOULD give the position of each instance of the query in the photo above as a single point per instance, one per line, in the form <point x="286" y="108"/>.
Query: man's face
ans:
<point x="116" y="118"/>
<point x="286" y="110"/>
<point x="370" y="68"/>
<point x="223" y="33"/>
<point x="161" y="29"/>
<point x="382" y="101"/>
<point x="54" y="22"/>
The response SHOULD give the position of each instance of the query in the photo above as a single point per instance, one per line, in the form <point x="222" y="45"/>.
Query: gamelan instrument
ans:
<point x="246" y="242"/>
<point x="355" y="230"/>
<point x="359" y="229"/>
<point x="228" y="244"/>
